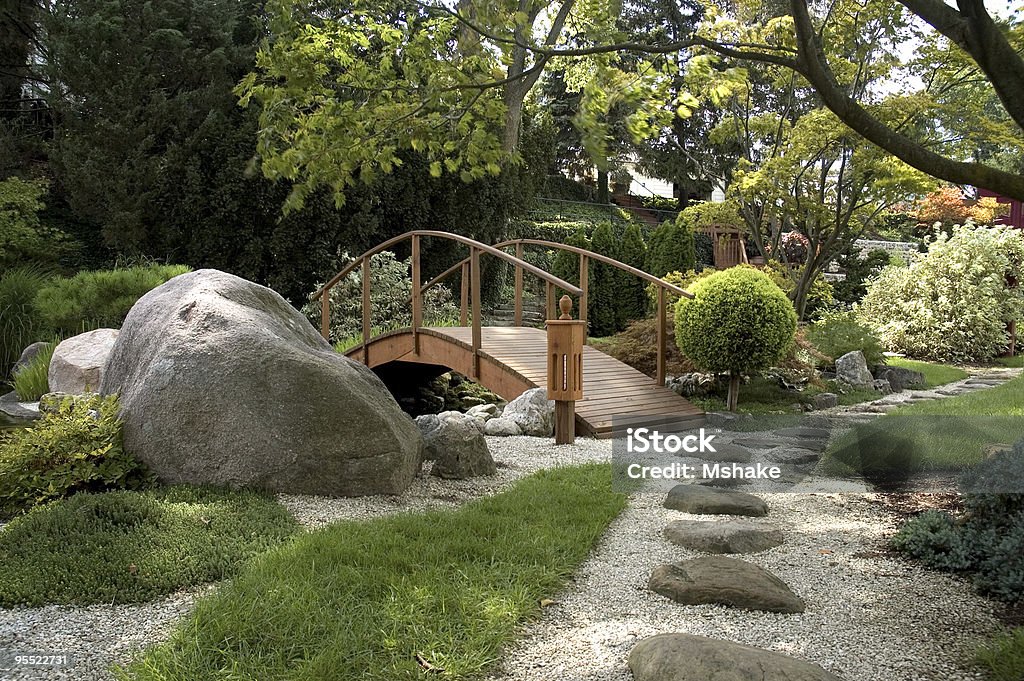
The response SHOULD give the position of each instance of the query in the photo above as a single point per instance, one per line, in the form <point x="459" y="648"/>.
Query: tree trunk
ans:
<point x="734" y="390"/>
<point x="602" y="186"/>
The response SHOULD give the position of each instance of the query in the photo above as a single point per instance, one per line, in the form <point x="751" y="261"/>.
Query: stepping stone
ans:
<point x="796" y="455"/>
<point x="723" y="482"/>
<point x="723" y="536"/>
<point x="756" y="443"/>
<point x="705" y="500"/>
<point x="804" y="433"/>
<point x="726" y="581"/>
<point x="726" y="453"/>
<point x="685" y="657"/>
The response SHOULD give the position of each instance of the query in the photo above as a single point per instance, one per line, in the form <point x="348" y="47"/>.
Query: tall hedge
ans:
<point x="566" y="265"/>
<point x="671" y="249"/>
<point x="630" y="296"/>
<point x="738" y="322"/>
<point x="603" y="284"/>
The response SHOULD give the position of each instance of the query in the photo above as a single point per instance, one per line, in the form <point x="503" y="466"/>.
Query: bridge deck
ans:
<point x="611" y="389"/>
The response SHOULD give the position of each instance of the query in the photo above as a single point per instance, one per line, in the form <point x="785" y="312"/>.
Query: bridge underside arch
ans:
<point x="512" y="360"/>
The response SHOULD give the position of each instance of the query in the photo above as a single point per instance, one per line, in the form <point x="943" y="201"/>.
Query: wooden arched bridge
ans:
<point x="511" y="360"/>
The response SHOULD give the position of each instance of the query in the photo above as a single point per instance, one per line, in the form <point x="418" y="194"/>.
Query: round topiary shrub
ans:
<point x="737" y="322"/>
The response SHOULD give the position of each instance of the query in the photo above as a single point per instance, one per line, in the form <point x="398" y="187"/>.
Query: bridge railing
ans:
<point x="470" y="310"/>
<point x="663" y="287"/>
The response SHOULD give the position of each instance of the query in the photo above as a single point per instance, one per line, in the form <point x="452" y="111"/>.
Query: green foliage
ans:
<point x="75" y="449"/>
<point x="670" y="249"/>
<point x="737" y="322"/>
<point x="603" y="284"/>
<point x="20" y="326"/>
<point x="681" y="279"/>
<point x="32" y="381"/>
<point x="367" y="597"/>
<point x="1003" y="656"/>
<point x="704" y="214"/>
<point x="953" y="303"/>
<point x="561" y="187"/>
<point x="630" y="294"/>
<point x="130" y="547"/>
<point x="23" y="237"/>
<point x="566" y="265"/>
<point x="390" y="301"/>
<point x="100" y="298"/>
<point x="819" y="297"/>
<point x="859" y="268"/>
<point x="637" y="346"/>
<point x="837" y="333"/>
<point x="988" y="543"/>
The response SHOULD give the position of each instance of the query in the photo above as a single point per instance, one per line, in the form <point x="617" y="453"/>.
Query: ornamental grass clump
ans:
<point x="738" y="322"/>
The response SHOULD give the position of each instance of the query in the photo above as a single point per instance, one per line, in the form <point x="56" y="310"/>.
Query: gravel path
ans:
<point x="870" y="616"/>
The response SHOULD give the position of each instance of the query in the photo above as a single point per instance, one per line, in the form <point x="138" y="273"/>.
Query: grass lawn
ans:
<point x="383" y="598"/>
<point x="938" y="435"/>
<point x="1015" y="362"/>
<point x="762" y="397"/>
<point x="126" y="547"/>
<point x="934" y="374"/>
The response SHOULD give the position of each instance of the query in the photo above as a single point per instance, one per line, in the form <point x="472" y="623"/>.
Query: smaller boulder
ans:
<point x="28" y="354"/>
<point x="428" y="423"/>
<point x="726" y="453"/>
<point x="459" y="450"/>
<point x="503" y="427"/>
<point x="484" y="411"/>
<point x="50" y="402"/>
<point x="78" y="362"/>
<point x="900" y="378"/>
<point x="882" y="386"/>
<point x="533" y="412"/>
<point x="852" y="368"/>
<point x="825" y="401"/>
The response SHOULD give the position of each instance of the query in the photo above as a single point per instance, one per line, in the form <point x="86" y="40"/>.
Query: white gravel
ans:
<point x="869" y="616"/>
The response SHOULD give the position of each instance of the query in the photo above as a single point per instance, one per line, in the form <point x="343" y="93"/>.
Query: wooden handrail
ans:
<point x="585" y="257"/>
<point x="490" y="250"/>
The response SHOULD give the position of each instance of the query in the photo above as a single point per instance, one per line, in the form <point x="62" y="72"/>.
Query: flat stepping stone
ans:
<point x="756" y="443"/>
<point x="726" y="453"/>
<point x="723" y="482"/>
<point x="725" y="581"/>
<point x="796" y="455"/>
<point x="685" y="657"/>
<point x="804" y="433"/>
<point x="723" y="536"/>
<point x="707" y="500"/>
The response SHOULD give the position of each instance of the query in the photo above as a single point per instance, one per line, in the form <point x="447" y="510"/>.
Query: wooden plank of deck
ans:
<point x="610" y="388"/>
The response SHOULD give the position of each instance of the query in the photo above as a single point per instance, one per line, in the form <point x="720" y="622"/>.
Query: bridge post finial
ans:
<point x="565" y="305"/>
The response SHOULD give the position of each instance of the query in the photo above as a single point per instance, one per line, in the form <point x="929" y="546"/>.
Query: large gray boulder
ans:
<point x="726" y="581"/>
<point x="223" y="382"/>
<point x="685" y="657"/>
<point x="78" y="362"/>
<point x="852" y="368"/>
<point x="723" y="536"/>
<point x="533" y="412"/>
<point x="700" y="499"/>
<point x="458" y="450"/>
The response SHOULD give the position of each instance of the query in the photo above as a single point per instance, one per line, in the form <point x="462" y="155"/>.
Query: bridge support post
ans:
<point x="565" y="369"/>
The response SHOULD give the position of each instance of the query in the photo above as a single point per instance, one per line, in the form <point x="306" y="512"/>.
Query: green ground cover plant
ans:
<point x="933" y="433"/>
<point x="934" y="374"/>
<point x="128" y="547"/>
<point x="76" y="448"/>
<point x="363" y="600"/>
<point x="1015" y="362"/>
<point x="19" y="323"/>
<point x="838" y="333"/>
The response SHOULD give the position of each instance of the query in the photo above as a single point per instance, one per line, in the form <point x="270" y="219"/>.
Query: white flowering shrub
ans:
<point x="953" y="303"/>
